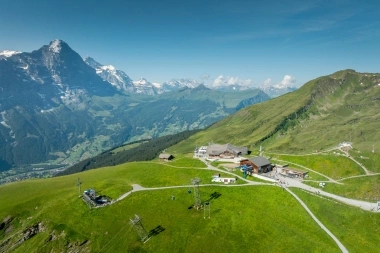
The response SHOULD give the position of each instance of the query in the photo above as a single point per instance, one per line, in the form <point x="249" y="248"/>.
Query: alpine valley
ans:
<point x="58" y="108"/>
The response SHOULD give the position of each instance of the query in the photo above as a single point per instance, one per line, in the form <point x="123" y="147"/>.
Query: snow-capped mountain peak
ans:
<point x="175" y="84"/>
<point x="141" y="81"/>
<point x="9" y="53"/>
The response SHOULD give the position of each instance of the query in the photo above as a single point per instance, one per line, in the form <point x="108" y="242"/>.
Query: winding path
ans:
<point x="340" y="245"/>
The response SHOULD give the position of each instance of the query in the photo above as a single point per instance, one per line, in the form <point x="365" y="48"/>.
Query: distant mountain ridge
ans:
<point x="122" y="81"/>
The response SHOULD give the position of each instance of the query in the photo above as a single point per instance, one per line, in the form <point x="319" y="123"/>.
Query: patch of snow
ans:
<point x="9" y="53"/>
<point x="55" y="46"/>
<point x="108" y="67"/>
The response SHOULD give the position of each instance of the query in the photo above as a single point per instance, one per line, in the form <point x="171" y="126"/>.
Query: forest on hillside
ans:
<point x="145" y="152"/>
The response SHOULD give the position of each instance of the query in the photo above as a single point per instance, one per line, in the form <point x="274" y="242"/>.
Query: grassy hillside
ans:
<point x="344" y="106"/>
<point x="263" y="217"/>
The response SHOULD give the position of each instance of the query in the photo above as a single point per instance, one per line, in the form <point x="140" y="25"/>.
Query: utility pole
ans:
<point x="79" y="186"/>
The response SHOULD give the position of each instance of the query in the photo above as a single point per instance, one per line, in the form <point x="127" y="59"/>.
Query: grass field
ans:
<point x="333" y="166"/>
<point x="370" y="160"/>
<point x="364" y="188"/>
<point x="262" y="216"/>
<point x="358" y="230"/>
<point x="232" y="227"/>
<point x="311" y="175"/>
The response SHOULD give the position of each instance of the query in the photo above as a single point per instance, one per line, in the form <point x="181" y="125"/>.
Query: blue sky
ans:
<point x="242" y="39"/>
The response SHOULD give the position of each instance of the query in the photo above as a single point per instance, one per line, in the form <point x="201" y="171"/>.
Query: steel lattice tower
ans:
<point x="137" y="225"/>
<point x="197" y="193"/>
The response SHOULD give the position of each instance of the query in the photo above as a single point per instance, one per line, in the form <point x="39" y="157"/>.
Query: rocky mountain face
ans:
<point x="109" y="73"/>
<point x="45" y="103"/>
<point x="142" y="86"/>
<point x="56" y="106"/>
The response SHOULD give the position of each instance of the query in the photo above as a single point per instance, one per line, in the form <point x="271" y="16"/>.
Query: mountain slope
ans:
<point x="340" y="107"/>
<point x="187" y="109"/>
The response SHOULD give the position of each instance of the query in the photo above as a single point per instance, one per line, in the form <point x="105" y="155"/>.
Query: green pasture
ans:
<point x="333" y="166"/>
<point x="265" y="215"/>
<point x="364" y="188"/>
<point x="239" y="216"/>
<point x="358" y="230"/>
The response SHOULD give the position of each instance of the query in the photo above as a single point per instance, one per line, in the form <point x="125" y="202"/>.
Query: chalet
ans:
<point x="165" y="157"/>
<point x="259" y="164"/>
<point x="225" y="151"/>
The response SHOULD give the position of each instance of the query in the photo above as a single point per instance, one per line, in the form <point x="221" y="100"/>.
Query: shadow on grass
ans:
<point x="216" y="211"/>
<point x="156" y="231"/>
<point x="214" y="195"/>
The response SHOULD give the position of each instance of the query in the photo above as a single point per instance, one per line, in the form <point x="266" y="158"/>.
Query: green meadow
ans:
<point x="264" y="218"/>
<point x="358" y="230"/>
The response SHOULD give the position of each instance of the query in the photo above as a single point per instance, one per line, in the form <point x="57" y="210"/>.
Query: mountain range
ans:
<point x="122" y="81"/>
<point x="56" y="106"/>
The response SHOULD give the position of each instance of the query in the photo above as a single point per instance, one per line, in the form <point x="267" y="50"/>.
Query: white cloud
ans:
<point x="268" y="82"/>
<point x="287" y="81"/>
<point x="226" y="81"/>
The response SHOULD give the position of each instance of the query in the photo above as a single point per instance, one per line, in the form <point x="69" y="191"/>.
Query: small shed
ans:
<point x="165" y="157"/>
<point x="259" y="164"/>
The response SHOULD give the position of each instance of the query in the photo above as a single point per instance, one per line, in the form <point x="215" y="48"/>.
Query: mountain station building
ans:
<point x="225" y="151"/>
<point x="259" y="164"/>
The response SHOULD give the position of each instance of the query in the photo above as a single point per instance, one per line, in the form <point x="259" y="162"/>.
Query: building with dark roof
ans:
<point x="225" y="151"/>
<point x="259" y="164"/>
